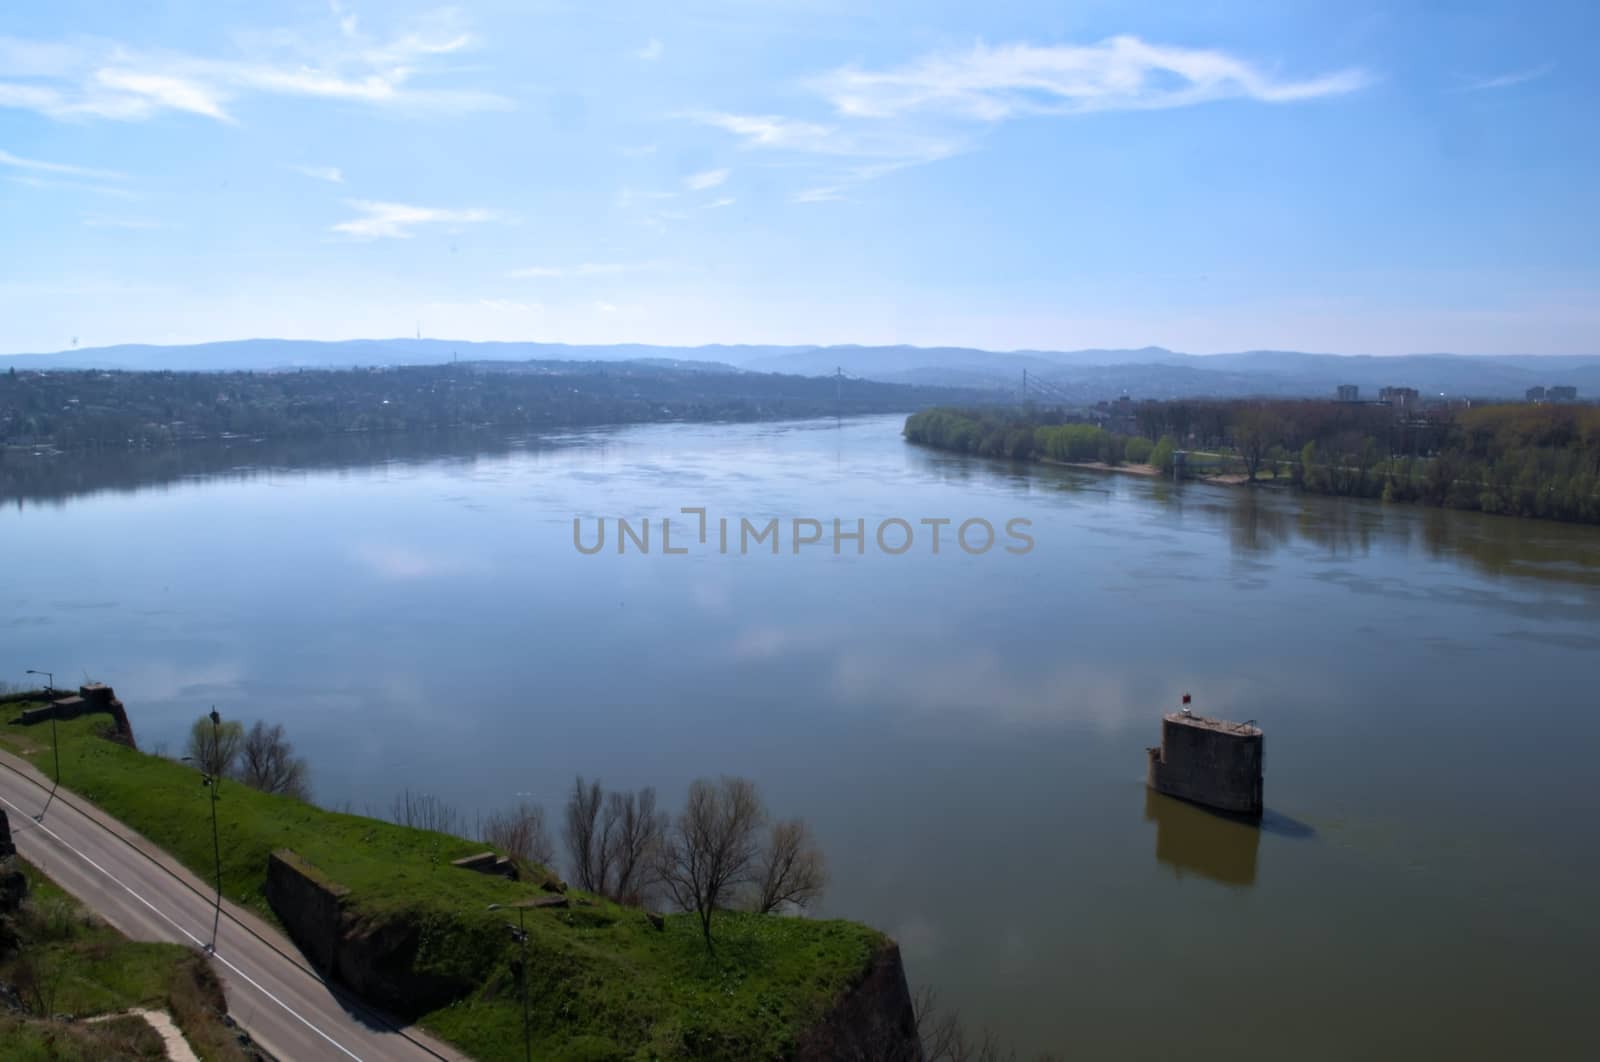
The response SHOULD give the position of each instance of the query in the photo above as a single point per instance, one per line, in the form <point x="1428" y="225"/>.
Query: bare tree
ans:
<point x="792" y="871"/>
<point x="635" y="830"/>
<point x="713" y="847"/>
<point x="1255" y="431"/>
<point x="424" y="811"/>
<point x="214" y="748"/>
<point x="521" y="834"/>
<point x="267" y="762"/>
<point x="587" y="837"/>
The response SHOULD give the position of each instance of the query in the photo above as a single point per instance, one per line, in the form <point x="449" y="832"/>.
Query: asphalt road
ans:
<point x="146" y="894"/>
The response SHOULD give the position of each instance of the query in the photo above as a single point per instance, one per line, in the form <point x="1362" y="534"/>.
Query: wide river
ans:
<point x="965" y="732"/>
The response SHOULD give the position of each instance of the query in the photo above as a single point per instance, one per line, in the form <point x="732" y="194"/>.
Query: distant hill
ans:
<point x="1077" y="375"/>
<point x="269" y="354"/>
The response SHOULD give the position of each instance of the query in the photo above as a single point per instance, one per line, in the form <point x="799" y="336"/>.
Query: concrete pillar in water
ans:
<point x="1209" y="761"/>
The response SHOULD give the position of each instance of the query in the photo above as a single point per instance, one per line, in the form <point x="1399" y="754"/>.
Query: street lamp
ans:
<point x="55" y="744"/>
<point x="519" y="932"/>
<point x="214" y="783"/>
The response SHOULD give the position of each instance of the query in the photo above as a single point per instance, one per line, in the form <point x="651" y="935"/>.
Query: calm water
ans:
<point x="965" y="733"/>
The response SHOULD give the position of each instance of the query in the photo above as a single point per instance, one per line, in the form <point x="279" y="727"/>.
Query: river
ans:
<point x="965" y="731"/>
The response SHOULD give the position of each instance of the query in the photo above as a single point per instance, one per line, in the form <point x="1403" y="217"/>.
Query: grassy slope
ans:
<point x="36" y="1040"/>
<point x="604" y="983"/>
<point x="89" y="968"/>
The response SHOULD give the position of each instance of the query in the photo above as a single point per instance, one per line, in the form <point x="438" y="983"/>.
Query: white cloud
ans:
<point x="63" y="168"/>
<point x="651" y="51"/>
<point x="156" y="91"/>
<point x="886" y="120"/>
<point x="1122" y="73"/>
<point x="1517" y="78"/>
<point x="115" y="82"/>
<point x="820" y="194"/>
<point x="886" y="146"/>
<point x="699" y="182"/>
<point x="725" y="201"/>
<point x="771" y="130"/>
<point x="331" y="174"/>
<point x="348" y="21"/>
<point x="854" y="151"/>
<point x="396" y="220"/>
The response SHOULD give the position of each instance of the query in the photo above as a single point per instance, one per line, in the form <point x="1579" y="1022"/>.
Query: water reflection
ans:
<point x="1257" y="525"/>
<point x="55" y="477"/>
<point x="1192" y="840"/>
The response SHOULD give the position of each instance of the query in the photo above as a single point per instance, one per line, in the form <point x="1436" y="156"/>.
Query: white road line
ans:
<point x="198" y="943"/>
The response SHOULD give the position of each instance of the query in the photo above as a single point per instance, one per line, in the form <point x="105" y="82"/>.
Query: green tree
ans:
<point x="1161" y="456"/>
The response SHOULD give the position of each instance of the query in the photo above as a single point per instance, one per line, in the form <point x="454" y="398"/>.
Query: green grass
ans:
<point x="604" y="983"/>
<point x="89" y="967"/>
<point x="38" y="1040"/>
<point x="64" y="960"/>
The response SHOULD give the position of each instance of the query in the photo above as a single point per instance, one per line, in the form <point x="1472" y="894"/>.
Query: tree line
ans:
<point x="722" y="851"/>
<point x="1515" y="459"/>
<point x="70" y="410"/>
<point x="261" y="757"/>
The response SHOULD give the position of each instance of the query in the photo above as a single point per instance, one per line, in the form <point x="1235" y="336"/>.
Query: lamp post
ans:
<point x="520" y="933"/>
<point x="213" y="782"/>
<point x="55" y="743"/>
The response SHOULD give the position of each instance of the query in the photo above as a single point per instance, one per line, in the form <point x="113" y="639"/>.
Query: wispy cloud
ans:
<point x="650" y="52"/>
<point x="331" y="174"/>
<point x="148" y="92"/>
<point x="63" y="168"/>
<point x="879" y="121"/>
<point x="1122" y="73"/>
<point x="819" y="194"/>
<point x="850" y="151"/>
<point x="771" y="130"/>
<point x="882" y="143"/>
<point x="585" y="269"/>
<point x="699" y="182"/>
<point x="114" y="82"/>
<point x="348" y="20"/>
<point x="31" y="181"/>
<point x="397" y="220"/>
<point x="1507" y="80"/>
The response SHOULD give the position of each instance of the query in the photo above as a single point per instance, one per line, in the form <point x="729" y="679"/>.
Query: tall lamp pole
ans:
<point x="55" y="742"/>
<point x="213" y="782"/>
<point x="520" y="932"/>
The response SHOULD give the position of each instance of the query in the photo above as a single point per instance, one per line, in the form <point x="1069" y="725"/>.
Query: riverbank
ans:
<point x="1226" y="479"/>
<point x="1535" y="461"/>
<point x="417" y="932"/>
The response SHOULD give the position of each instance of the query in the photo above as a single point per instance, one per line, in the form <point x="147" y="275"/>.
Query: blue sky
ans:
<point x="1350" y="176"/>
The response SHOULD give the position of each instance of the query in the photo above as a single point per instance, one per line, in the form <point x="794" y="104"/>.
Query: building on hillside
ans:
<point x="1563" y="394"/>
<point x="1535" y="394"/>
<point x="1399" y="397"/>
<point x="1349" y="393"/>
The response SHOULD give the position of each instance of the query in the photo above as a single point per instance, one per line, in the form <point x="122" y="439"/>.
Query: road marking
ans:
<point x="248" y="979"/>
